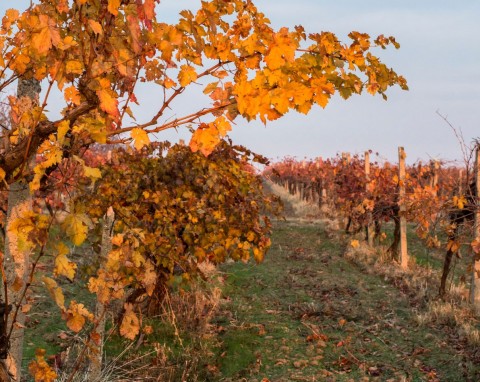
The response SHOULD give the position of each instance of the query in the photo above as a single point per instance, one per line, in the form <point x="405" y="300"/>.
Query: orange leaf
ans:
<point x="186" y="75"/>
<point x="355" y="243"/>
<point x="76" y="316"/>
<point x="96" y="27"/>
<point x="108" y="100"/>
<point x="204" y="139"/>
<point x="130" y="326"/>
<point x="71" y="94"/>
<point x="40" y="369"/>
<point x="113" y="6"/>
<point x="140" y="138"/>
<point x="149" y="9"/>
<point x="476" y="245"/>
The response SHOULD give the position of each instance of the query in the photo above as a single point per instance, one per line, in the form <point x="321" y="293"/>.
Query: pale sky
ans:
<point x="439" y="56"/>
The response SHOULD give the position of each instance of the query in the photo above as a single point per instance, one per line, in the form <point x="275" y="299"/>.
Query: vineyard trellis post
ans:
<point x="402" y="208"/>
<point x="475" y="285"/>
<point x="369" y="213"/>
<point x="435" y="169"/>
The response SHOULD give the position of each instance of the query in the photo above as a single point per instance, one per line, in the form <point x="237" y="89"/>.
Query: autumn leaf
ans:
<point x="63" y="128"/>
<point x="76" y="316"/>
<point x="76" y="226"/>
<point x="222" y="125"/>
<point x="204" y="139"/>
<point x="21" y="228"/>
<point x="140" y="138"/>
<point x="107" y="97"/>
<point x="476" y="246"/>
<point x="55" y="291"/>
<point x="92" y="172"/>
<point x="186" y="75"/>
<point x="355" y="243"/>
<point x="453" y="246"/>
<point x="130" y="325"/>
<point x="74" y="67"/>
<point x="63" y="266"/>
<point x="11" y="15"/>
<point x="96" y="27"/>
<point x="459" y="202"/>
<point x="47" y="36"/>
<point x="40" y="369"/>
<point x="113" y="6"/>
<point x="149" y="9"/>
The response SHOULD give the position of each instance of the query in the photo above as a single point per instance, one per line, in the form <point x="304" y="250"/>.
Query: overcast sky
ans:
<point x="439" y="56"/>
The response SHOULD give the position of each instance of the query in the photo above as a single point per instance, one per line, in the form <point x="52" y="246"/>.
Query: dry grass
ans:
<point x="180" y="347"/>
<point x="421" y="285"/>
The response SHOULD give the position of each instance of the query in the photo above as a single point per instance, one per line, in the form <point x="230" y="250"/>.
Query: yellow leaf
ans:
<point x="55" y="291"/>
<point x="92" y="172"/>
<point x="113" y="6"/>
<point x="140" y="138"/>
<point x="2" y="174"/>
<point x="63" y="128"/>
<point x="76" y="227"/>
<point x="21" y="227"/>
<point x="130" y="326"/>
<point x="355" y="243"/>
<point x="459" y="202"/>
<point x="74" y="67"/>
<point x="186" y="75"/>
<point x="63" y="266"/>
<point x="222" y="125"/>
<point x="96" y="27"/>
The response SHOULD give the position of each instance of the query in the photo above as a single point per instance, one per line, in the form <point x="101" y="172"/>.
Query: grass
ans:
<point x="307" y="313"/>
<point x="313" y="311"/>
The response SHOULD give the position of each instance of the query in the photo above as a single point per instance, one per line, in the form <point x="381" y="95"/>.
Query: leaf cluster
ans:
<point x="175" y="209"/>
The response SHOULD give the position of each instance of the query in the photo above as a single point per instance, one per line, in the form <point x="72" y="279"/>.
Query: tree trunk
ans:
<point x="369" y="230"/>
<point x="16" y="261"/>
<point x="100" y="309"/>
<point x="475" y="285"/>
<point x="16" y="265"/>
<point x="403" y="258"/>
<point x="393" y="249"/>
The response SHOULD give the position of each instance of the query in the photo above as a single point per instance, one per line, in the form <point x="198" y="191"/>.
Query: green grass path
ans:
<point x="308" y="314"/>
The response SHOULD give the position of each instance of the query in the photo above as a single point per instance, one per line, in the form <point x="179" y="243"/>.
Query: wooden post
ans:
<point x="460" y="182"/>
<point x="475" y="285"/>
<point x="100" y="309"/>
<point x="370" y="230"/>
<point x="402" y="208"/>
<point x="16" y="260"/>
<point x="435" y="167"/>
